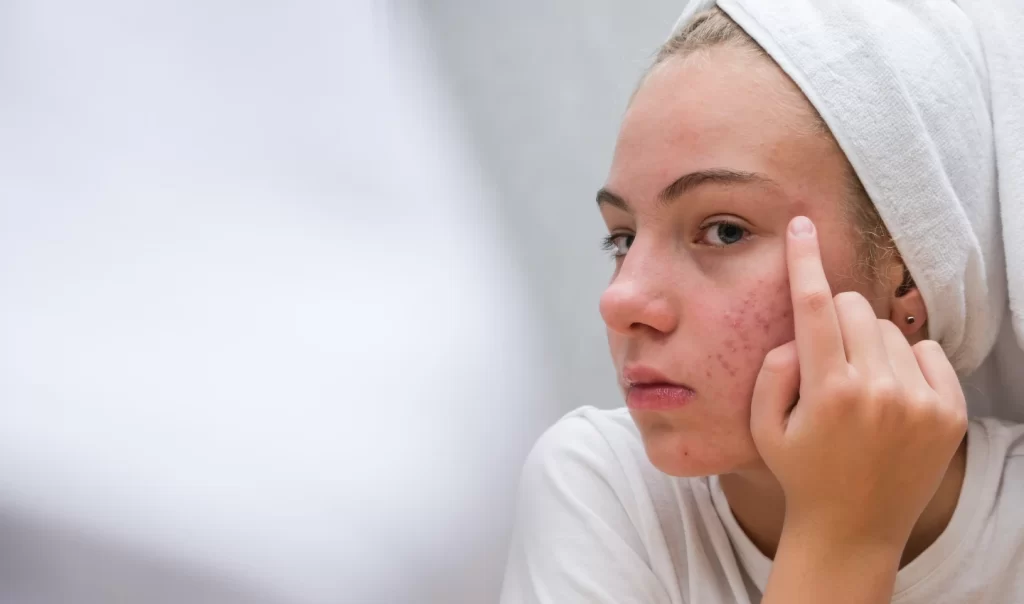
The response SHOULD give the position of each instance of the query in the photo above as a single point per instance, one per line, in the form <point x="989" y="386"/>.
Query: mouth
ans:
<point x="649" y="390"/>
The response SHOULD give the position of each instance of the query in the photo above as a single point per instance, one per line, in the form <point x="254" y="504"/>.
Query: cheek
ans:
<point x="751" y="325"/>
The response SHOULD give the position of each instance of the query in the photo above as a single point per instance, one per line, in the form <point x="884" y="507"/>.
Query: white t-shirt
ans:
<point x="597" y="523"/>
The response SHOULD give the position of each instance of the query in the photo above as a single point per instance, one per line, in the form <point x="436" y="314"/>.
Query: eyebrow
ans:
<point x="688" y="182"/>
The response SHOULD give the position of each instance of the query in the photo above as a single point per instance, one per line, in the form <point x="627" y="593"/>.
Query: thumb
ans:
<point x="776" y="388"/>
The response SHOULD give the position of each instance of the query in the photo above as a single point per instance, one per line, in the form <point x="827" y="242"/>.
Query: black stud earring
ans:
<point x="910" y="319"/>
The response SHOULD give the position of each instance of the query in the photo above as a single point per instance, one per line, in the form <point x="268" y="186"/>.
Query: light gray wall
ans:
<point x="261" y="335"/>
<point x="289" y="288"/>
<point x="541" y="87"/>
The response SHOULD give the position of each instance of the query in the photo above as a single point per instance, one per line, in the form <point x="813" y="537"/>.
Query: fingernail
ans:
<point x="801" y="227"/>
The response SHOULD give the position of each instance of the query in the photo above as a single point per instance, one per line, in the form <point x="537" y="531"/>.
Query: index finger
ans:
<point x="819" y="341"/>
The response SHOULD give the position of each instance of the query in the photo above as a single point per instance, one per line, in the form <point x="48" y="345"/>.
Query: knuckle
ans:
<point x="849" y="299"/>
<point x="778" y="360"/>
<point x="888" y="327"/>
<point x="842" y="389"/>
<point x="928" y="347"/>
<point x="953" y="423"/>
<point x="814" y="299"/>
<point x="960" y="423"/>
<point x="924" y="399"/>
<point x="960" y="402"/>
<point x="958" y="420"/>
<point x="884" y="390"/>
<point x="924" y="409"/>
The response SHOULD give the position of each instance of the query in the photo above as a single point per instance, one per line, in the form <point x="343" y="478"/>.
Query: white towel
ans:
<point x="926" y="98"/>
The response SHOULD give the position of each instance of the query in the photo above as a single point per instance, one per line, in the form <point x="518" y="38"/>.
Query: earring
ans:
<point x="910" y="319"/>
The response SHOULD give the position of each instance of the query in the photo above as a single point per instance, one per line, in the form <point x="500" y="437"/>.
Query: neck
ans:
<point x="758" y="503"/>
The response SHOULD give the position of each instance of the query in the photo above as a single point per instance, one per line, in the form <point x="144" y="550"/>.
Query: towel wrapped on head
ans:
<point x="926" y="99"/>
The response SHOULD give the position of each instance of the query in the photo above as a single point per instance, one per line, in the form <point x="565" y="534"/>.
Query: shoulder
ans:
<point x="589" y="519"/>
<point x="588" y="449"/>
<point x="591" y="465"/>
<point x="587" y="435"/>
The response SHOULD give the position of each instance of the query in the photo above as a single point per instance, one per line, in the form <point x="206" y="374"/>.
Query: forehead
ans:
<point x="722" y="108"/>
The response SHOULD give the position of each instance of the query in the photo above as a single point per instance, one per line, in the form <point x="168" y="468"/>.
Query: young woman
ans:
<point x="806" y="254"/>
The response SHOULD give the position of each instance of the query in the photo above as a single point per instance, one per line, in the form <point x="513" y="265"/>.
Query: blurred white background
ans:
<point x="288" y="289"/>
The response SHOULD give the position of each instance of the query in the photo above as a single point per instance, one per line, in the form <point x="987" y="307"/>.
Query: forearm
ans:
<point x="810" y="569"/>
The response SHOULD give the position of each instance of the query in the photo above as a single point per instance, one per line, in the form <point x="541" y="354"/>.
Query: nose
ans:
<point x="639" y="299"/>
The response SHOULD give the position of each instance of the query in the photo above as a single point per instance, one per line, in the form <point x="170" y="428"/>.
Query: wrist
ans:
<point x="820" y="529"/>
<point x="813" y="565"/>
<point x="833" y="542"/>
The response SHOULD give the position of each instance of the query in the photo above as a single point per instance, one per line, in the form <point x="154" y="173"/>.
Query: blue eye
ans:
<point x="721" y="234"/>
<point x="618" y="244"/>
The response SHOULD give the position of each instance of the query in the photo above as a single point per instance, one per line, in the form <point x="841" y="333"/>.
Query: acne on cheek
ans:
<point x="757" y="323"/>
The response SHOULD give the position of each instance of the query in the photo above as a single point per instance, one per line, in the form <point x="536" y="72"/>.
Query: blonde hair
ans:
<point x="714" y="28"/>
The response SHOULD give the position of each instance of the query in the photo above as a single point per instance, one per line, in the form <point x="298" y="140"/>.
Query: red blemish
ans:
<point x="726" y="365"/>
<point x="733" y="319"/>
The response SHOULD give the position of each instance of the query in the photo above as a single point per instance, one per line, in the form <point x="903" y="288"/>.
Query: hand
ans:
<point x="868" y="441"/>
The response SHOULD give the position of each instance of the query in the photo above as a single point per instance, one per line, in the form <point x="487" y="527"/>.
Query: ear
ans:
<point x="908" y="312"/>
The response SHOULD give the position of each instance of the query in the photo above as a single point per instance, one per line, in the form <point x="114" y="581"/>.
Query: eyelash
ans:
<point x="704" y="231"/>
<point x="608" y="243"/>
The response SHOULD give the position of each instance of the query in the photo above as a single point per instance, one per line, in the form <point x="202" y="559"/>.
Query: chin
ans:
<point x="689" y="454"/>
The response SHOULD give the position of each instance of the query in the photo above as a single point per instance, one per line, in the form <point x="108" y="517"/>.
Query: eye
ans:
<point x="722" y="234"/>
<point x="618" y="244"/>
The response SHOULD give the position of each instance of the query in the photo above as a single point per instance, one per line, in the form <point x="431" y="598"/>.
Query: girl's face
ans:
<point x="716" y="154"/>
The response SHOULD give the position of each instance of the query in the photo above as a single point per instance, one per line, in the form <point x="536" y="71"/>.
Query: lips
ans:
<point x="649" y="390"/>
